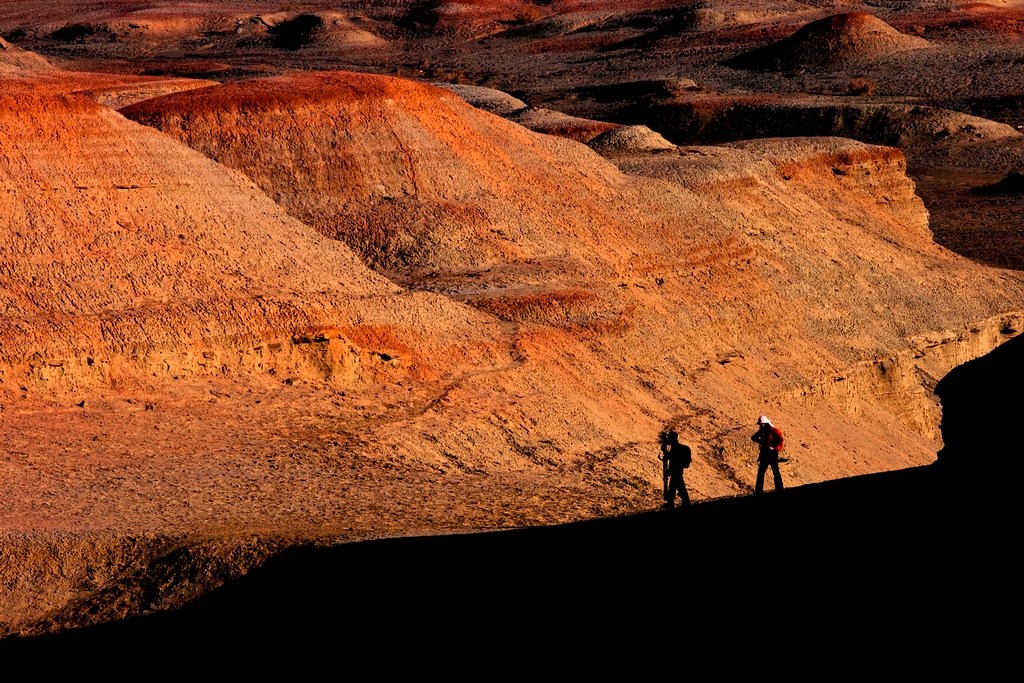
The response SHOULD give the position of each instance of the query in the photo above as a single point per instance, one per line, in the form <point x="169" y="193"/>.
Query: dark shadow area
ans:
<point x="74" y="32"/>
<point x="919" y="564"/>
<point x="982" y="423"/>
<point x="1011" y="184"/>
<point x="973" y="215"/>
<point x="296" y="33"/>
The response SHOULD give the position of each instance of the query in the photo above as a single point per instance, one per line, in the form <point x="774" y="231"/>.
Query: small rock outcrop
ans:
<point x="15" y="60"/>
<point x="495" y="101"/>
<point x="626" y="139"/>
<point x="829" y="42"/>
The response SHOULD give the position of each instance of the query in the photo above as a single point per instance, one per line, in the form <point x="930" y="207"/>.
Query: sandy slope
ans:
<point x="332" y="306"/>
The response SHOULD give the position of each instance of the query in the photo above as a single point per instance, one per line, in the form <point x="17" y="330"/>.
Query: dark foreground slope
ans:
<point x="917" y="566"/>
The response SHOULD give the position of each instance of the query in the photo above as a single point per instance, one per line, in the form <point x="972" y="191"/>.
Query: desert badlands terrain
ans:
<point x="315" y="280"/>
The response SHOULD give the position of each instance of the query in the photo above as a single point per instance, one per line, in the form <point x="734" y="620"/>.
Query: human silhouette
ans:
<point x="675" y="458"/>
<point x="769" y="438"/>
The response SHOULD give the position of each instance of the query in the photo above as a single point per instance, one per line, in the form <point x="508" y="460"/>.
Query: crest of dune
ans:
<point x="832" y="41"/>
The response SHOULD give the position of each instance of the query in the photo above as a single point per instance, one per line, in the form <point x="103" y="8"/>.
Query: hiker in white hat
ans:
<point x="769" y="438"/>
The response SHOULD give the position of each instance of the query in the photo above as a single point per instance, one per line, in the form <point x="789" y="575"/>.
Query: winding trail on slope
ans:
<point x="846" y="551"/>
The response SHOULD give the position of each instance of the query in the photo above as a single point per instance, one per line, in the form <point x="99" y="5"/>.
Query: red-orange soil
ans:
<point x="318" y="274"/>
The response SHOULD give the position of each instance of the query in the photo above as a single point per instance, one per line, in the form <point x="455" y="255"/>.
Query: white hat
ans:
<point x="763" y="420"/>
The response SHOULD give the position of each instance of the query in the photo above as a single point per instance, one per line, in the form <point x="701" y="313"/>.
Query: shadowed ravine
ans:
<point x="924" y="555"/>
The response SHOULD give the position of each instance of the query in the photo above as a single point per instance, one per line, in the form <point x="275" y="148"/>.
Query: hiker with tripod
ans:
<point x="675" y="457"/>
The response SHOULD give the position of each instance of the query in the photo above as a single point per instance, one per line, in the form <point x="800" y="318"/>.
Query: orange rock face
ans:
<point x="407" y="174"/>
<point x="262" y="283"/>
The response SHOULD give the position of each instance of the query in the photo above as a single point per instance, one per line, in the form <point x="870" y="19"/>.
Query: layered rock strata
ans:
<point x="331" y="307"/>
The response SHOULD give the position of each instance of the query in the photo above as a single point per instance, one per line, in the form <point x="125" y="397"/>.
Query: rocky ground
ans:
<point x="286" y="281"/>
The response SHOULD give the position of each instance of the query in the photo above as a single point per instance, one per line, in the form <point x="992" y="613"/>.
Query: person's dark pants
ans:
<point x="763" y="463"/>
<point x="676" y="486"/>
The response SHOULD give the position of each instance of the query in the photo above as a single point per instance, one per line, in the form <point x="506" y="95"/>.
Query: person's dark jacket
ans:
<point x="676" y="455"/>
<point x="769" y="437"/>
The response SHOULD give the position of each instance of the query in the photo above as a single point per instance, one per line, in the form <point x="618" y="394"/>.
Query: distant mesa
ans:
<point x="833" y="41"/>
<point x="324" y="29"/>
<point x="539" y="120"/>
<point x="552" y="26"/>
<point x="563" y="125"/>
<point x="701" y="17"/>
<point x="285" y="30"/>
<point x="635" y="90"/>
<point x="704" y="16"/>
<point x="1012" y="184"/>
<point x="979" y="16"/>
<point x="718" y="118"/>
<point x="129" y="27"/>
<point x="289" y="31"/>
<point x="469" y="18"/>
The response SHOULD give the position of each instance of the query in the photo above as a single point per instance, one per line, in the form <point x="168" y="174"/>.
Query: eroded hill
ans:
<point x="325" y="306"/>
